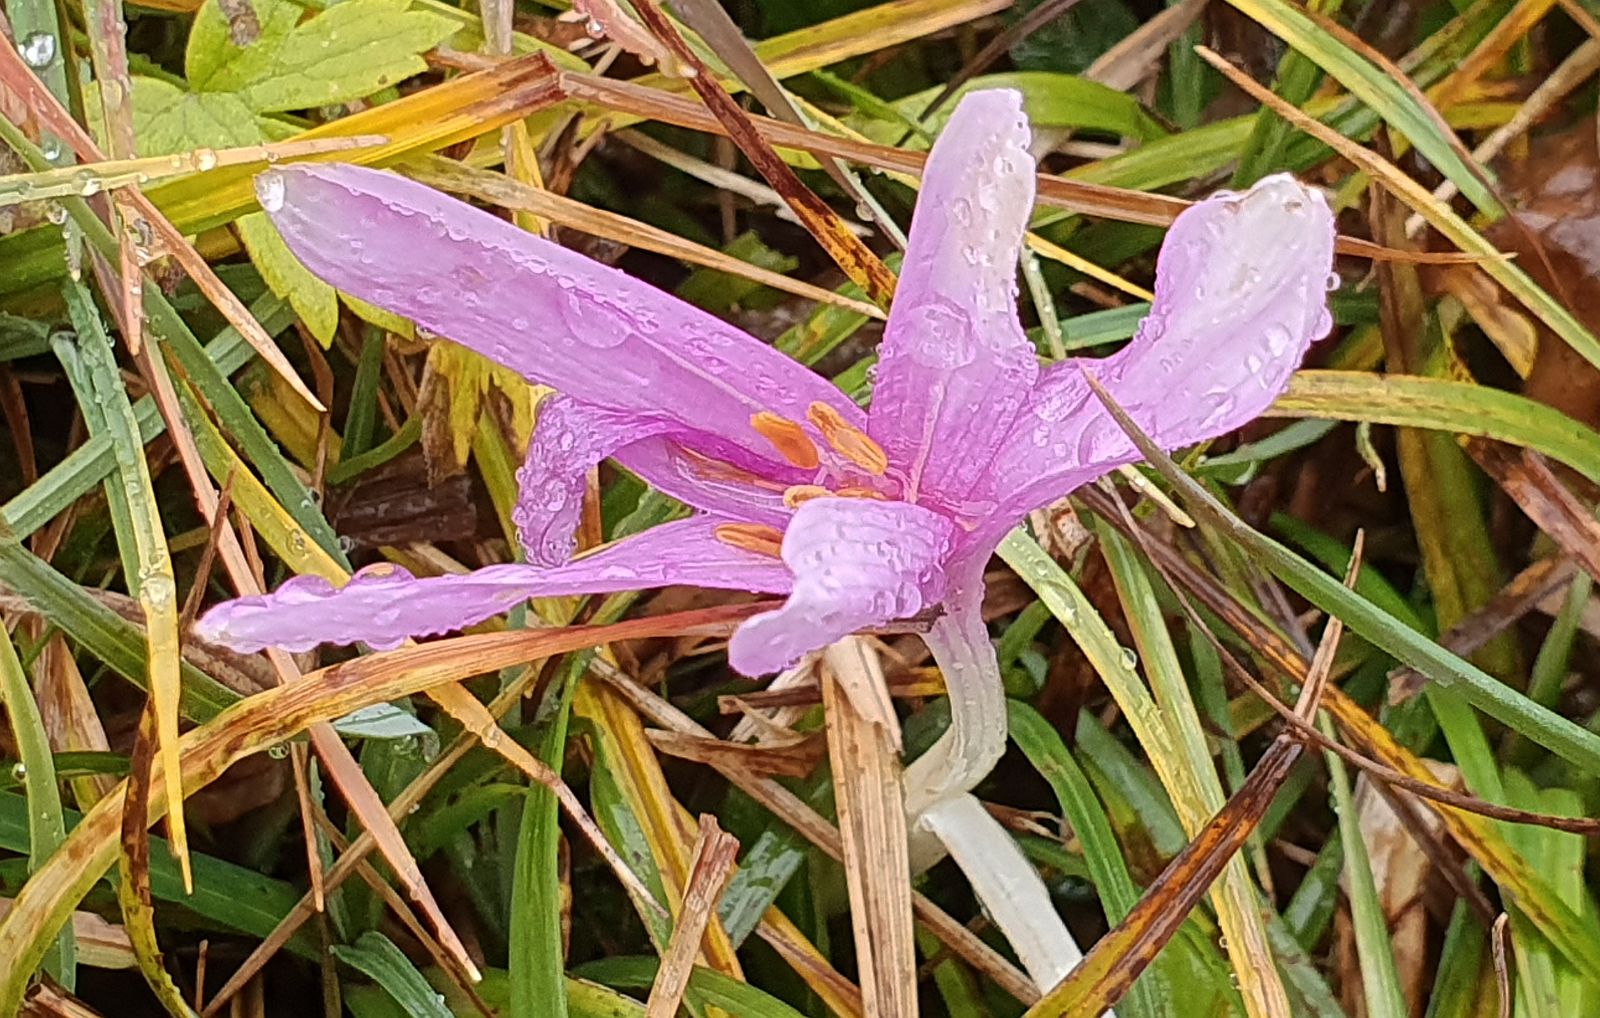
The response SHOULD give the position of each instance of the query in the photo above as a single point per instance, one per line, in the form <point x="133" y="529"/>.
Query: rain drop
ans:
<point x="1278" y="339"/>
<point x="51" y="149"/>
<point x="269" y="189"/>
<point x="56" y="213"/>
<point x="19" y="770"/>
<point x="205" y="159"/>
<point x="38" y="49"/>
<point x="1128" y="659"/>
<point x="1332" y="282"/>
<point x="277" y="751"/>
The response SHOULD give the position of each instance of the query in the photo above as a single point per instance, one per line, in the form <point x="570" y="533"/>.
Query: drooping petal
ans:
<point x="384" y="605"/>
<point x="570" y="437"/>
<point x="554" y="316"/>
<point x="856" y="562"/>
<point x="955" y="366"/>
<point x="976" y="738"/>
<point x="1241" y="293"/>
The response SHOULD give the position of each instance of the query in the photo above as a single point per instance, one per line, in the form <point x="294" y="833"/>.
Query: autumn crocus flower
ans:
<point x="859" y="518"/>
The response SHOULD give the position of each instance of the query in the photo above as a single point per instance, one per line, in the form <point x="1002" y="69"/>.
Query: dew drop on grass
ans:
<point x="37" y="49"/>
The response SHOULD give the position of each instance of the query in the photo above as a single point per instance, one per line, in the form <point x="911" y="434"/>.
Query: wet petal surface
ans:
<point x="383" y="605"/>
<point x="553" y="315"/>
<point x="856" y="562"/>
<point x="955" y="365"/>
<point x="569" y="438"/>
<point x="1241" y="293"/>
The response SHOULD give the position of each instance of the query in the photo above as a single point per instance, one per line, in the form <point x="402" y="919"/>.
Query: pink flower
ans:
<point x="859" y="518"/>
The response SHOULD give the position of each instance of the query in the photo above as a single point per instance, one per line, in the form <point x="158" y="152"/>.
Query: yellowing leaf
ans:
<point x="314" y="301"/>
<point x="454" y="384"/>
<point x="379" y="317"/>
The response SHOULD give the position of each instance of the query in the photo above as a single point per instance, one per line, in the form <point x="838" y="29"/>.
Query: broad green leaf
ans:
<point x="213" y="62"/>
<point x="347" y="52"/>
<point x="1051" y="100"/>
<point x="376" y="956"/>
<point x="166" y="119"/>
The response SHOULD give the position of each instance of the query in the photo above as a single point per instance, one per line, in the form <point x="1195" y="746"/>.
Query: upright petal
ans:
<point x="551" y="314"/>
<point x="955" y="366"/>
<point x="383" y="605"/>
<point x="1241" y="293"/>
<point x="856" y="562"/>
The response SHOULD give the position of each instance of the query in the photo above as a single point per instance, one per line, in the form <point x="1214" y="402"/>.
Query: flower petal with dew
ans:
<point x="954" y="366"/>
<point x="859" y="518"/>
<point x="856" y="563"/>
<point x="1240" y="294"/>
<point x="965" y="434"/>
<point x="589" y="331"/>
<point x="384" y="605"/>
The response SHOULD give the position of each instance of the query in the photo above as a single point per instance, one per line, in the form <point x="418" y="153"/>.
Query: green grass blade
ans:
<point x="36" y="767"/>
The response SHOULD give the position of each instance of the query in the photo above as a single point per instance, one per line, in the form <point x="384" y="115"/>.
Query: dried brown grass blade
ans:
<point x="789" y="808"/>
<point x="715" y="25"/>
<point x="277" y="714"/>
<point x="512" y="194"/>
<point x="853" y="257"/>
<point x="17" y="76"/>
<point x="863" y="748"/>
<point x="1526" y="476"/>
<point x="709" y="870"/>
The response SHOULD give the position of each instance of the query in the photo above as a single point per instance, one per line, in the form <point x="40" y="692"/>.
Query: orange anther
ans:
<point x="795" y="495"/>
<point x="709" y="469"/>
<point x="756" y="537"/>
<point x="852" y="491"/>
<point x="848" y="440"/>
<point x="788" y="437"/>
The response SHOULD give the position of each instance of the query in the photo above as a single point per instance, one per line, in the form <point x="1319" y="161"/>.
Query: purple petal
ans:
<point x="856" y="562"/>
<point x="955" y="366"/>
<point x="1241" y="293"/>
<point x="976" y="738"/>
<point x="384" y="605"/>
<point x="569" y="438"/>
<point x="721" y="483"/>
<point x="585" y="329"/>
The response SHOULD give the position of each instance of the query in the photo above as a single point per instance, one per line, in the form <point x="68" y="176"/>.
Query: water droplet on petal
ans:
<point x="1277" y="339"/>
<point x="941" y="336"/>
<point x="270" y="191"/>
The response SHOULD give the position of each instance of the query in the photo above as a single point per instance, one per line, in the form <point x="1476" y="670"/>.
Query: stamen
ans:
<point x="848" y="440"/>
<point x="756" y="537"/>
<point x="793" y="496"/>
<point x="788" y="437"/>
<point x="854" y="491"/>
<point x="706" y="468"/>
